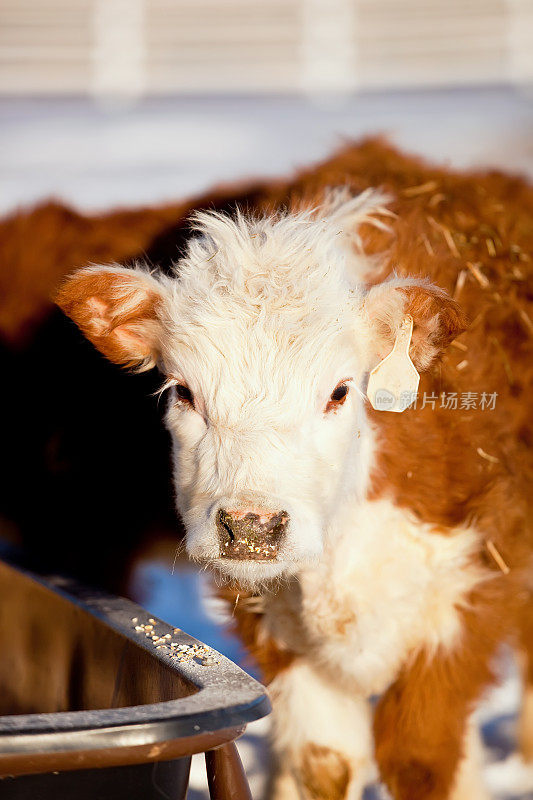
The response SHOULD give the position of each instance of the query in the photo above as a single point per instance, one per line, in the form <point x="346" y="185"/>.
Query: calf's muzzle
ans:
<point x="250" y="535"/>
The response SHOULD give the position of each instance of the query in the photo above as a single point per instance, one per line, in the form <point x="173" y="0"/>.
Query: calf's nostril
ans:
<point x="224" y="521"/>
<point x="229" y="531"/>
<point x="277" y="523"/>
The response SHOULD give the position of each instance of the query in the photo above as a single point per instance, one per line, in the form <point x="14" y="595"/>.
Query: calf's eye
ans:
<point x="338" y="396"/>
<point x="184" y="394"/>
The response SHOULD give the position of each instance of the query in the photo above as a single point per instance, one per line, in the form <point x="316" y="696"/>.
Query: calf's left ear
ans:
<point x="118" y="310"/>
<point x="437" y="319"/>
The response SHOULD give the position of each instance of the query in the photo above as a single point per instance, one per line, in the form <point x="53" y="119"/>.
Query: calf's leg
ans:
<point x="469" y="783"/>
<point x="421" y="722"/>
<point x="525" y="733"/>
<point x="321" y="738"/>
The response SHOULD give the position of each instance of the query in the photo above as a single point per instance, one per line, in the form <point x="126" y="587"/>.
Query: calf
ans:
<point x="365" y="553"/>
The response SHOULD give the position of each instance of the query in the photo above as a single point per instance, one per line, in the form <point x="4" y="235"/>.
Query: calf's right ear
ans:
<point x="117" y="309"/>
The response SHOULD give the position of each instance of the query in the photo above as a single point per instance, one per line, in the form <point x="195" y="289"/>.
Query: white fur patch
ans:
<point x="469" y="782"/>
<point x="386" y="586"/>
<point x="308" y="708"/>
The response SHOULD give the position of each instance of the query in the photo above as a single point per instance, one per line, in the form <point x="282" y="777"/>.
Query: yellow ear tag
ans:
<point x="393" y="384"/>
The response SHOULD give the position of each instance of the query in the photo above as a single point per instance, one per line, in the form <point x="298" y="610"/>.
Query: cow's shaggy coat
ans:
<point x="408" y="558"/>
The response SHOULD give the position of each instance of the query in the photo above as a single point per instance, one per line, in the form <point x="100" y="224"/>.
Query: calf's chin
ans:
<point x="251" y="574"/>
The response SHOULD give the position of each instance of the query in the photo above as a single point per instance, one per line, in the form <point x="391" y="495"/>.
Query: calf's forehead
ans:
<point x="233" y="355"/>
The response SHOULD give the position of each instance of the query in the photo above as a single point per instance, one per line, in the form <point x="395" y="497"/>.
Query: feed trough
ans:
<point x="100" y="700"/>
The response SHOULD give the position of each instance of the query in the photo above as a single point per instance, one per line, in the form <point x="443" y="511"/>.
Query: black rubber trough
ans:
<point x="93" y="707"/>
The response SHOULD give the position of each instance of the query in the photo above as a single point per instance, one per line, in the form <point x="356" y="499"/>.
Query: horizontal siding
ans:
<point x="84" y="46"/>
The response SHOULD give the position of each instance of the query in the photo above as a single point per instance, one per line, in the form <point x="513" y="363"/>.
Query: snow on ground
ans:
<point x="185" y="599"/>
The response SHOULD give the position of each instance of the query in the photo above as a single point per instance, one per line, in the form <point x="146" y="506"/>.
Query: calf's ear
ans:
<point x="437" y="319"/>
<point x="117" y="309"/>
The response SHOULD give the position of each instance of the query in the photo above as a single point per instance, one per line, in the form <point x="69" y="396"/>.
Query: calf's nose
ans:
<point x="250" y="535"/>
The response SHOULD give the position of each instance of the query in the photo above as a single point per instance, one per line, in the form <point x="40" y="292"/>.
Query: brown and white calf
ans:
<point x="366" y="553"/>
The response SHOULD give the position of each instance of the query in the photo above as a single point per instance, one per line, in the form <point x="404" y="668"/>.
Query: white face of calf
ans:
<point x="264" y="419"/>
<point x="264" y="340"/>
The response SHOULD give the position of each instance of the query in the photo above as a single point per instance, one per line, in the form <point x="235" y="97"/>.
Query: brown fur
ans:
<point x="471" y="234"/>
<point x="247" y="617"/>
<point x="41" y="245"/>
<point x="324" y="773"/>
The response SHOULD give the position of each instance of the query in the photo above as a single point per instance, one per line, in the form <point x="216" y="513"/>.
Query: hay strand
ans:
<point x="487" y="456"/>
<point x="422" y="188"/>
<point x="427" y="245"/>
<point x="491" y="247"/>
<point x="459" y="345"/>
<point x="447" y="234"/>
<point x="505" y="360"/>
<point x="478" y="275"/>
<point x="460" y="282"/>
<point x="526" y="319"/>
<point x="497" y="556"/>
